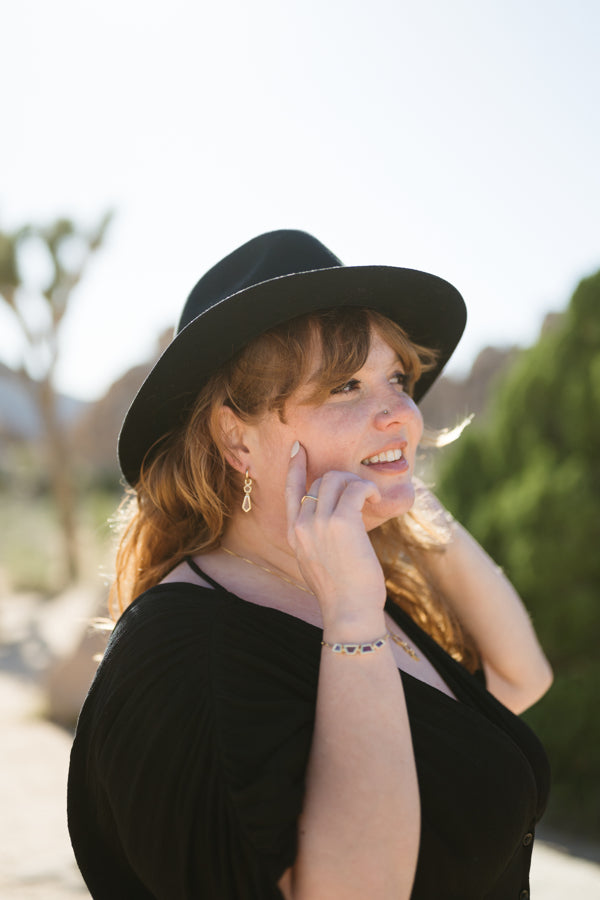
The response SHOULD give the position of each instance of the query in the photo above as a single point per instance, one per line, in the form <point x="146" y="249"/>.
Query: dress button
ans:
<point x="527" y="839"/>
<point x="524" y="895"/>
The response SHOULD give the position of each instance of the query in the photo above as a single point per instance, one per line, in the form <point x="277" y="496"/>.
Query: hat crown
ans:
<point x="268" y="256"/>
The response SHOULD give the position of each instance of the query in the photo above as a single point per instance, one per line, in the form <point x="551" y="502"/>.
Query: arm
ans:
<point x="359" y="830"/>
<point x="488" y="606"/>
<point x="360" y="823"/>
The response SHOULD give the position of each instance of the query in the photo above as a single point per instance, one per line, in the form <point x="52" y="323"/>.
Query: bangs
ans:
<point x="267" y="372"/>
<point x="344" y="345"/>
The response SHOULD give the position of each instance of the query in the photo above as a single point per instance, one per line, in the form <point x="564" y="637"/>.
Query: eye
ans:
<point x="401" y="378"/>
<point x="347" y="388"/>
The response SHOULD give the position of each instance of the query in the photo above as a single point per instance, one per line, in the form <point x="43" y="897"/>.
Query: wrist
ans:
<point x="360" y="627"/>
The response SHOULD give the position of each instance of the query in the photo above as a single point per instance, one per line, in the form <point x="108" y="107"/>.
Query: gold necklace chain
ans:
<point x="405" y="646"/>
<point x="397" y="640"/>
<point x="270" y="571"/>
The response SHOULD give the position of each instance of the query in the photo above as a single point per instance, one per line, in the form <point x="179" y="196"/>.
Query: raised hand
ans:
<point x="332" y="547"/>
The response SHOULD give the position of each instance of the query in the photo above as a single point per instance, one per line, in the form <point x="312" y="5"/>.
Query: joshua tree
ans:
<point x="68" y="249"/>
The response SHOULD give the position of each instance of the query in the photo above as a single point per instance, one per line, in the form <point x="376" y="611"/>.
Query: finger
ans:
<point x="311" y="498"/>
<point x="355" y="494"/>
<point x="309" y="501"/>
<point x="327" y="490"/>
<point x="295" y="485"/>
<point x="331" y="487"/>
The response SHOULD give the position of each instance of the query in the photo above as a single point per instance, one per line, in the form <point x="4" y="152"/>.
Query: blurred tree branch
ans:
<point x="39" y="305"/>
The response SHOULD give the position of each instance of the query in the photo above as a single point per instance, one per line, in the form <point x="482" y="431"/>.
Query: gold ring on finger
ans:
<point x="309" y="497"/>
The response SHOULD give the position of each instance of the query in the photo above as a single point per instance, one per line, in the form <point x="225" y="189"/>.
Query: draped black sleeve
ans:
<point x="187" y="769"/>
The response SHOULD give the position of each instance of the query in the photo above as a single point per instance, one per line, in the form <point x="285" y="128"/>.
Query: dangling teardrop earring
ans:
<point x="246" y="502"/>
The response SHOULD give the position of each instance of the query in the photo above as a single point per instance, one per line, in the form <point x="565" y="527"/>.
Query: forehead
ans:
<point x="380" y="356"/>
<point x="379" y="351"/>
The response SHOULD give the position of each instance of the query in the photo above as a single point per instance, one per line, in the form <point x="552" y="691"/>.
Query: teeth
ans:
<point x="386" y="456"/>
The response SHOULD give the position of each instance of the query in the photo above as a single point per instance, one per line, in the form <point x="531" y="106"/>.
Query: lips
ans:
<point x="384" y="457"/>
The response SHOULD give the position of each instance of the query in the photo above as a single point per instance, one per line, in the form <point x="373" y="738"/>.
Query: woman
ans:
<point x="247" y="734"/>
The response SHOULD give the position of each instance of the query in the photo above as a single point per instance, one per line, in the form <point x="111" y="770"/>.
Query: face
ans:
<point x="351" y="431"/>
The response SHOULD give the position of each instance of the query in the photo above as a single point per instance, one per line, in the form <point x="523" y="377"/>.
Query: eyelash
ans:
<point x="402" y="378"/>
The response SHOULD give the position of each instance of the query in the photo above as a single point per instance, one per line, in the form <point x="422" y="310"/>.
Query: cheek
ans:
<point x="272" y="452"/>
<point x="330" y="445"/>
<point x="417" y="423"/>
<point x="320" y="463"/>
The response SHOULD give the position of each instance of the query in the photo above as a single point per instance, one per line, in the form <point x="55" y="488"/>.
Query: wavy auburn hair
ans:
<point x="187" y="490"/>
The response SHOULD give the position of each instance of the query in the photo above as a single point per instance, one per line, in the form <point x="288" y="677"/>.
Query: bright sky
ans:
<point x="461" y="137"/>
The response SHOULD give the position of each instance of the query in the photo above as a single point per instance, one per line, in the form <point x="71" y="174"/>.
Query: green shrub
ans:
<point x="527" y="485"/>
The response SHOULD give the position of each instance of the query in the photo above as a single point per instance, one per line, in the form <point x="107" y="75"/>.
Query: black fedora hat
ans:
<point x="269" y="280"/>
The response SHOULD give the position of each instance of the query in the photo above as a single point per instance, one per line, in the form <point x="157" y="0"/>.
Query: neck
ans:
<point x="264" y="542"/>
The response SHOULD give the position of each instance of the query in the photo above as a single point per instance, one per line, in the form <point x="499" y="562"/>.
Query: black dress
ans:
<point x="187" y="769"/>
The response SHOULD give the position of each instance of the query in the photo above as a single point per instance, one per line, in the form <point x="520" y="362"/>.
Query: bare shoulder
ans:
<point x="184" y="573"/>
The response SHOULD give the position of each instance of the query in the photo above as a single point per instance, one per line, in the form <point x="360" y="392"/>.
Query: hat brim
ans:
<point x="429" y="309"/>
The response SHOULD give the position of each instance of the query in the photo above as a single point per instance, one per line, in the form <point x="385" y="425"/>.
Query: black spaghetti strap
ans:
<point x="196" y="568"/>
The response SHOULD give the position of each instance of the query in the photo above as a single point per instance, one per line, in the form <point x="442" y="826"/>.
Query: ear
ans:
<point x="233" y="433"/>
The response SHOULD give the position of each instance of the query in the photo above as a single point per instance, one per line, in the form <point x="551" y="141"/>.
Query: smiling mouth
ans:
<point x="386" y="456"/>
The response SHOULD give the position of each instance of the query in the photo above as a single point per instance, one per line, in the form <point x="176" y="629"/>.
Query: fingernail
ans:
<point x="295" y="448"/>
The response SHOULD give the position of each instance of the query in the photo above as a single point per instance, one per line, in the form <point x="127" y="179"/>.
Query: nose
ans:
<point x="395" y="409"/>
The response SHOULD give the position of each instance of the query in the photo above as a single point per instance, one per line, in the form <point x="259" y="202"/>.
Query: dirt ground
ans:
<point x="36" y="861"/>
